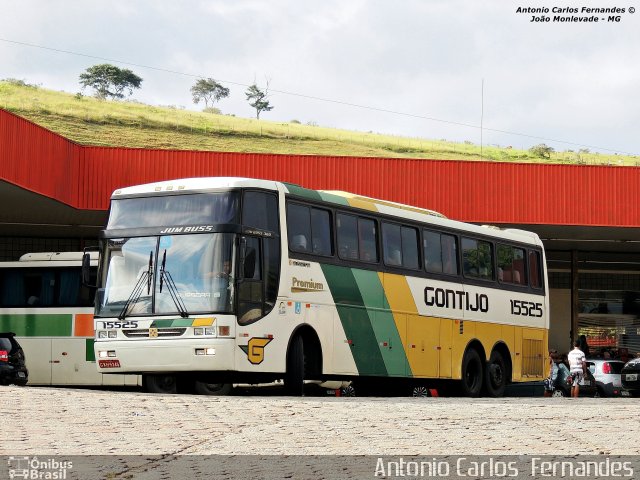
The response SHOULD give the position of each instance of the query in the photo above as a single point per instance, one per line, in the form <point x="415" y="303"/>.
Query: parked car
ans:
<point x="607" y="375"/>
<point x="588" y="387"/>
<point x="631" y="376"/>
<point x="13" y="369"/>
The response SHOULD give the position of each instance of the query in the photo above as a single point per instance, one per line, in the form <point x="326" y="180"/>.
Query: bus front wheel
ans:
<point x="294" y="376"/>
<point x="160" y="383"/>
<point x="472" y="376"/>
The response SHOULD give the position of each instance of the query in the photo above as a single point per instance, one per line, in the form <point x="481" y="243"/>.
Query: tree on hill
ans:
<point x="208" y="90"/>
<point x="542" y="150"/>
<point x="257" y="98"/>
<point x="110" y="81"/>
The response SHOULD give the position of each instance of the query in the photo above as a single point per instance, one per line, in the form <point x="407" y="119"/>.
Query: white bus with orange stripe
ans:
<point x="43" y="302"/>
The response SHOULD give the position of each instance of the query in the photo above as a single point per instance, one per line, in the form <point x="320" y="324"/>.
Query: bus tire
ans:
<point x="495" y="375"/>
<point x="472" y="373"/>
<point x="294" y="376"/>
<point x="160" y="383"/>
<point x="217" y="389"/>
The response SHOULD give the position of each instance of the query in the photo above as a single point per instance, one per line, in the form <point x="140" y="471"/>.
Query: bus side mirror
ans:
<point x="86" y="267"/>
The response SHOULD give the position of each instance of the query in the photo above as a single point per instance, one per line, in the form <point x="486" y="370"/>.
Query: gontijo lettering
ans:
<point x="455" y="299"/>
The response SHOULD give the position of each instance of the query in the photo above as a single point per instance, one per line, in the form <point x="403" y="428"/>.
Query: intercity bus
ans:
<point x="43" y="301"/>
<point x="206" y="282"/>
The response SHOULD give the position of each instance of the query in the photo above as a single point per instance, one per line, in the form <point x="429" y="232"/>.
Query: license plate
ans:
<point x="21" y="375"/>
<point x="587" y="382"/>
<point x="632" y="377"/>
<point x="109" y="363"/>
<point x="625" y="393"/>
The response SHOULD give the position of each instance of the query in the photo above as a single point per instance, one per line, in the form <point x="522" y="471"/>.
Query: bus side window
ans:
<point x="321" y="232"/>
<point x="12" y="289"/>
<point x="449" y="254"/>
<point x="367" y="240"/>
<point x="432" y="251"/>
<point x="347" y="236"/>
<point x="511" y="265"/>
<point x="260" y="210"/>
<point x="391" y="244"/>
<point x="478" y="259"/>
<point x="410" y="243"/>
<point x="534" y="269"/>
<point x="299" y="227"/>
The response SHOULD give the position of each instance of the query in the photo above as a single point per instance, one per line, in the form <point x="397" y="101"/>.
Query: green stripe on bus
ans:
<point x="316" y="195"/>
<point x="178" y="322"/>
<point x="330" y="197"/>
<point x="355" y="320"/>
<point x="299" y="191"/>
<point x="384" y="326"/>
<point x="90" y="353"/>
<point x="37" y="325"/>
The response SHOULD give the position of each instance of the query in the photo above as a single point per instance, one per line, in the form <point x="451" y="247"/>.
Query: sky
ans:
<point x="435" y="69"/>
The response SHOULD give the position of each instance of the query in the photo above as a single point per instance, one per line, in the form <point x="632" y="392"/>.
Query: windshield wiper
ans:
<point x="136" y="293"/>
<point x="165" y="276"/>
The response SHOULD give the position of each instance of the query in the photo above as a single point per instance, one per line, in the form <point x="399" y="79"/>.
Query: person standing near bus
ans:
<point x="577" y="367"/>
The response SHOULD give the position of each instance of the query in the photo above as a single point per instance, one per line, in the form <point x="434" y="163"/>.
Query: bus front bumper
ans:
<point x="161" y="356"/>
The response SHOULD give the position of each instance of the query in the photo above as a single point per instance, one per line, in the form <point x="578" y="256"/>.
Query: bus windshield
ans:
<point x="167" y="275"/>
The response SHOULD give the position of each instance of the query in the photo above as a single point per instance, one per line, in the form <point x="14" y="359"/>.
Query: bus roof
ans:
<point x="202" y="184"/>
<point x="71" y="257"/>
<point x="198" y="184"/>
<point x="55" y="257"/>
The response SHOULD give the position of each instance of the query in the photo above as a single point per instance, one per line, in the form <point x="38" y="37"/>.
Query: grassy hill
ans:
<point x="89" y="121"/>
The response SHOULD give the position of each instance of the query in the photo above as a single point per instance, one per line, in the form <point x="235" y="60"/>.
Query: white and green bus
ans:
<point x="43" y="301"/>
<point x="207" y="282"/>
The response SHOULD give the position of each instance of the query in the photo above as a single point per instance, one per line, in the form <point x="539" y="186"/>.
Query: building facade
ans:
<point x="54" y="195"/>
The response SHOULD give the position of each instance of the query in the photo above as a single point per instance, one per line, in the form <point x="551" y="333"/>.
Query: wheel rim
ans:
<point x="167" y="382"/>
<point x="348" y="391"/>
<point x="558" y="393"/>
<point x="420" y="392"/>
<point x="496" y="374"/>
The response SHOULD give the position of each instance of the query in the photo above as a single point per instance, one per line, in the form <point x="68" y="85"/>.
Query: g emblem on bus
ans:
<point x="255" y="349"/>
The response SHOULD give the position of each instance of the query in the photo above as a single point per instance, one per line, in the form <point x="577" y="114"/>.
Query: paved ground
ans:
<point x="55" y="421"/>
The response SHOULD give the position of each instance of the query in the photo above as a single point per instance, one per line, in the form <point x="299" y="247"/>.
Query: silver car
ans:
<point x="606" y="371"/>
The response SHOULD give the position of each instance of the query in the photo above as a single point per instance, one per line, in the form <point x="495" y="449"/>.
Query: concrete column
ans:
<point x="574" y="297"/>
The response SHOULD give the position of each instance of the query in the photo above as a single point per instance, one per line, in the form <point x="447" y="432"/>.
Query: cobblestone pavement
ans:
<point x="56" y="421"/>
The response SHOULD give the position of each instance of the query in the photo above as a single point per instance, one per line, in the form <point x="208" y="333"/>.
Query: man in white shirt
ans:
<point x="577" y="367"/>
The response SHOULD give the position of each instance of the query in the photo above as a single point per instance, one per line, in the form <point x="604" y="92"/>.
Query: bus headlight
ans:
<point x="198" y="331"/>
<point x="102" y="334"/>
<point x="113" y="334"/>
<point x="209" y="331"/>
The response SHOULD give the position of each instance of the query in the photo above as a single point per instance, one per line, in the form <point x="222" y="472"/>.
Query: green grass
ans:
<point x="89" y="121"/>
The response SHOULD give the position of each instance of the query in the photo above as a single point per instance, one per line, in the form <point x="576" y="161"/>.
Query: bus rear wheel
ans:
<point x="472" y="373"/>
<point x="495" y="375"/>
<point x="294" y="376"/>
<point x="160" y="383"/>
